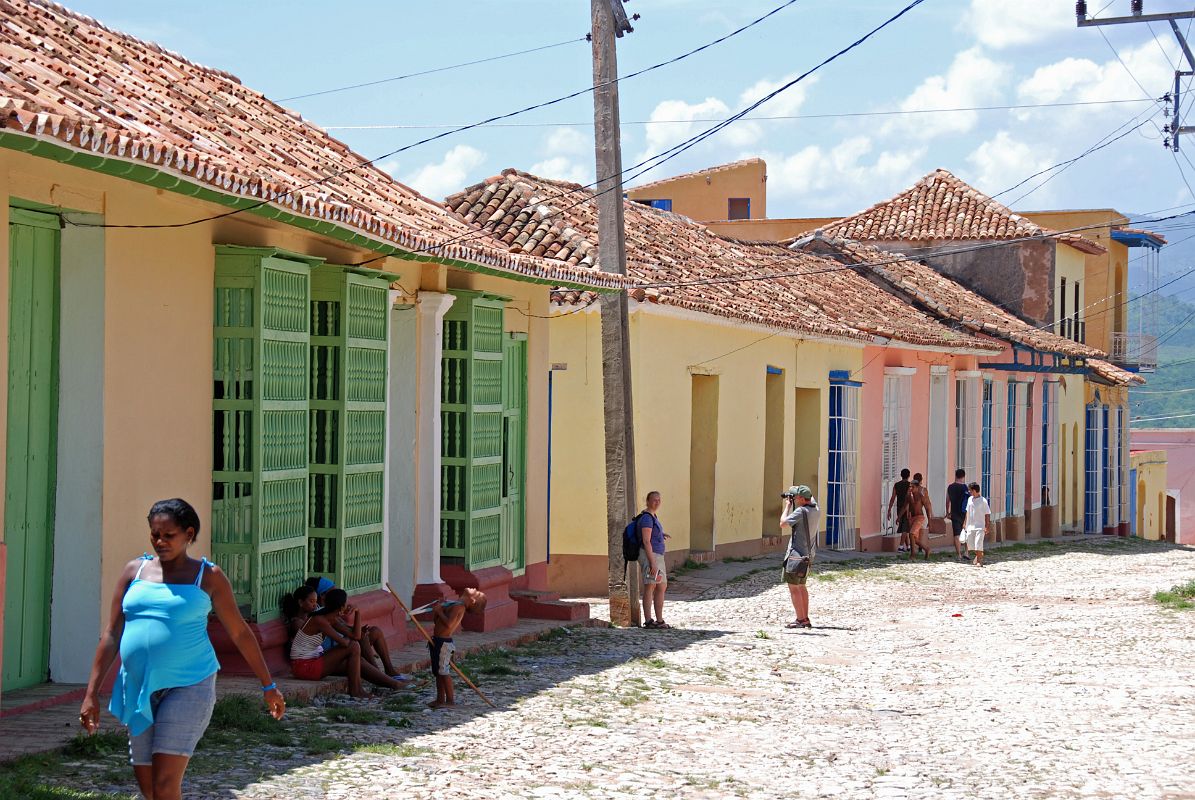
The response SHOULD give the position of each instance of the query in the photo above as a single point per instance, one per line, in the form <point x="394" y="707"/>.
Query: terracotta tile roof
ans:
<point x="942" y="296"/>
<point x="559" y="221"/>
<point x="69" y="80"/>
<point x="940" y="207"/>
<point x="1114" y="374"/>
<point x="698" y="173"/>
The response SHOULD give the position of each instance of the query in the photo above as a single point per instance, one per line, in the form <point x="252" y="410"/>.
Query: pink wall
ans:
<point x="1179" y="445"/>
<point x="871" y="423"/>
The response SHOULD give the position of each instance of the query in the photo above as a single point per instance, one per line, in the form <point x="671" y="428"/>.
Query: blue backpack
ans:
<point x="632" y="541"/>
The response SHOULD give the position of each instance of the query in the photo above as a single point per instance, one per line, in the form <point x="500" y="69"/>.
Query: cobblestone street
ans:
<point x="1049" y="673"/>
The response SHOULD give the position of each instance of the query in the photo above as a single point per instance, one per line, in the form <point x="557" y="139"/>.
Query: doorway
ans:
<point x="703" y="461"/>
<point x="33" y="248"/>
<point x="773" y="448"/>
<point x="807" y="440"/>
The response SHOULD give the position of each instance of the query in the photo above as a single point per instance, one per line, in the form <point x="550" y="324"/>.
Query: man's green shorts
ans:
<point x="796" y="578"/>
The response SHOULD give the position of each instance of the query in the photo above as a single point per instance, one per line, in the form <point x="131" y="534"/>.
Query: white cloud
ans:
<point x="1013" y="23"/>
<point x="786" y="103"/>
<point x="567" y="155"/>
<point x="563" y="168"/>
<point x="840" y="179"/>
<point x="972" y="79"/>
<point x="1081" y="79"/>
<point x="438" y="180"/>
<point x="1003" y="161"/>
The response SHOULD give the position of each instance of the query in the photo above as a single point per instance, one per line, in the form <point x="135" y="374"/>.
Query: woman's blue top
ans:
<point x="164" y="644"/>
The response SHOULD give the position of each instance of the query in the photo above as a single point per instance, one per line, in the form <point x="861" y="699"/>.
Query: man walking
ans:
<point x="900" y="496"/>
<point x="651" y="563"/>
<point x="920" y="510"/>
<point x="800" y="516"/>
<point x="957" y="495"/>
<point x="979" y="519"/>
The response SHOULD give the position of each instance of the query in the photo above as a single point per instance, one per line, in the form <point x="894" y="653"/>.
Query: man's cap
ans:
<point x="323" y="586"/>
<point x="803" y="491"/>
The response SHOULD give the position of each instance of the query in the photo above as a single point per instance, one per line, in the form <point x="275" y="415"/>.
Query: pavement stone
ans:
<point x="1050" y="673"/>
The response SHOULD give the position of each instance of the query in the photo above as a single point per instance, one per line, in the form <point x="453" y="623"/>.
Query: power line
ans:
<point x="430" y="71"/>
<point x="1161" y="391"/>
<point x="835" y="115"/>
<point x="444" y="134"/>
<point x="659" y="158"/>
<point x="1157" y="419"/>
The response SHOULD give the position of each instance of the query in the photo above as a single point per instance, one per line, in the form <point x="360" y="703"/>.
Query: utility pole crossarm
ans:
<point x="1084" y="22"/>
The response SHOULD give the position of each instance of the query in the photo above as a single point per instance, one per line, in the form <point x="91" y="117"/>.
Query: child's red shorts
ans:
<point x="309" y="669"/>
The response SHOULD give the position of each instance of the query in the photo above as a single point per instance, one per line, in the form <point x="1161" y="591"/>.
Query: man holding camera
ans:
<point x="800" y="516"/>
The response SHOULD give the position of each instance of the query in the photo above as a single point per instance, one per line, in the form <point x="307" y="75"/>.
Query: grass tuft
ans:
<point x="350" y="715"/>
<point x="97" y="745"/>
<point x="1179" y="598"/>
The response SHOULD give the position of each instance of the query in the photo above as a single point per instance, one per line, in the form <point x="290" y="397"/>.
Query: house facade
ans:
<point x="753" y="369"/>
<point x="277" y="339"/>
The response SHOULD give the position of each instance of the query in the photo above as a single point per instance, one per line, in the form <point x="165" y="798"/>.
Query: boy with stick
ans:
<point x="448" y="617"/>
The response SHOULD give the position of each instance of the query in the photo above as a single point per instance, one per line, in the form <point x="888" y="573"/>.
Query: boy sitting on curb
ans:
<point x="448" y="617"/>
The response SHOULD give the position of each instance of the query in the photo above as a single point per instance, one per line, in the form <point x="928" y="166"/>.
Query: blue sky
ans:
<point x="946" y="53"/>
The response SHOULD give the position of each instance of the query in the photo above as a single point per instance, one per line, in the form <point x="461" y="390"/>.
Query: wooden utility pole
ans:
<point x="610" y="21"/>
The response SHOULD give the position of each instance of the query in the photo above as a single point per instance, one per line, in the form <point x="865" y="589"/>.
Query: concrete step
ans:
<point x="548" y="605"/>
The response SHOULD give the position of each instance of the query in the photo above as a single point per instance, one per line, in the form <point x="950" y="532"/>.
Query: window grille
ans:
<point x="1049" y="443"/>
<point x="967" y="427"/>
<point x="841" y="500"/>
<point x="1094" y="474"/>
<point x="895" y="444"/>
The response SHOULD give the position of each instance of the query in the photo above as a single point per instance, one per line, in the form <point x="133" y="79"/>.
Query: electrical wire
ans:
<point x="659" y="158"/>
<point x="835" y="115"/>
<point x="430" y="71"/>
<point x="461" y="129"/>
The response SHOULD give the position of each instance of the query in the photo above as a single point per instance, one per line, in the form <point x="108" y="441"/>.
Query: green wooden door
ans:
<point x="471" y="432"/>
<point x="32" y="442"/>
<point x="260" y="404"/>
<point x="514" y="448"/>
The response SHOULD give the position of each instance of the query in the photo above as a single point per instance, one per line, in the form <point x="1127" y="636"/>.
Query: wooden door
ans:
<point x="32" y="441"/>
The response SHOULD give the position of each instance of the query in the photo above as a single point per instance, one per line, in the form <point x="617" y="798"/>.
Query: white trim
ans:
<point x="939" y="369"/>
<point x="900" y="371"/>
<point x="968" y="373"/>
<point x="430" y="342"/>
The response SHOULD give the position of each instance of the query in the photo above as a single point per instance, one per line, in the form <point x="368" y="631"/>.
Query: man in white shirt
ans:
<point x="977" y="522"/>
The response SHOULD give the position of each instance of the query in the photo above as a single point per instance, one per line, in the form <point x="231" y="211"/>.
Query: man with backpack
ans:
<point x="646" y="535"/>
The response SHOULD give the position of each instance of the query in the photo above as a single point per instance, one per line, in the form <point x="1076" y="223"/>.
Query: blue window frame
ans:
<point x="1106" y="463"/>
<point x="842" y="461"/>
<point x="1010" y="452"/>
<point x="663" y="205"/>
<point x="1093" y="472"/>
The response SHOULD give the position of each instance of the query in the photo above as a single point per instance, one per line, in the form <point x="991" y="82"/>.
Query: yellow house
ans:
<point x="204" y="296"/>
<point x="1147" y="471"/>
<point x="749" y="374"/>
<point x="735" y="191"/>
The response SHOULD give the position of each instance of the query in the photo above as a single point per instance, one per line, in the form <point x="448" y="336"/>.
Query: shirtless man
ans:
<point x="920" y="510"/>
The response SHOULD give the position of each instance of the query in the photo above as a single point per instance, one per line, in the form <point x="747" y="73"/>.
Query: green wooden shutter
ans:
<point x="260" y="391"/>
<point x="349" y="324"/>
<point x="31" y="457"/>
<point x="471" y="434"/>
<point x="514" y="447"/>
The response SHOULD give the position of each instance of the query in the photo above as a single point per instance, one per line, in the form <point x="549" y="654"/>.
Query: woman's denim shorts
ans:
<point x="181" y="716"/>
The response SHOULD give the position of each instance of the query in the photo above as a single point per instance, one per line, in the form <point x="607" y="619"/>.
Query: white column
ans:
<point x="431" y="310"/>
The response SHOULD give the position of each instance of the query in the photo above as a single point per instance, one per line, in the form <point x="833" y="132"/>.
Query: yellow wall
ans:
<point x="1071" y="422"/>
<point x="667" y="350"/>
<point x="704" y="195"/>
<point x="1151" y="493"/>
<point x="1105" y="276"/>
<point x="770" y="230"/>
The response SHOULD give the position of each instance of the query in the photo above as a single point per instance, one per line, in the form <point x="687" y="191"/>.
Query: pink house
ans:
<point x="1179" y="446"/>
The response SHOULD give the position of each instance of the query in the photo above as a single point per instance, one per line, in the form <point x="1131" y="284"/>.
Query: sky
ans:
<point x="943" y="54"/>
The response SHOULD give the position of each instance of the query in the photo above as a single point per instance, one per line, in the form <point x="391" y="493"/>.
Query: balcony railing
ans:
<point x="1135" y="350"/>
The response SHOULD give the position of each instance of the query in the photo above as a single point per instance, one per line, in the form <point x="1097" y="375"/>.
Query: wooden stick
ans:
<point x="427" y="636"/>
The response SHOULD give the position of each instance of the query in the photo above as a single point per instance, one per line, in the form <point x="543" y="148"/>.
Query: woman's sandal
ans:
<point x="804" y="623"/>
<point x="661" y="624"/>
<point x="651" y="623"/>
<point x="793" y="624"/>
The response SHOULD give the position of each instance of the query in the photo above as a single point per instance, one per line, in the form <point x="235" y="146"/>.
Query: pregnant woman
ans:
<point x="158" y="623"/>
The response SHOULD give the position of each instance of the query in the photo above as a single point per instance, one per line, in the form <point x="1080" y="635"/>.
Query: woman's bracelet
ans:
<point x="270" y="688"/>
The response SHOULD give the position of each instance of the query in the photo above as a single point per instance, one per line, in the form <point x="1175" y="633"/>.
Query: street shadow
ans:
<point x="507" y="676"/>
